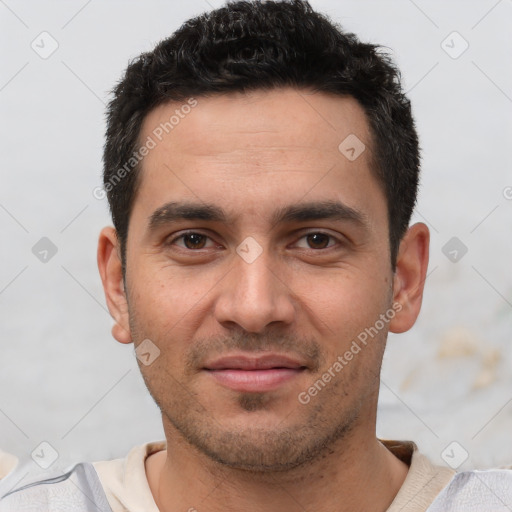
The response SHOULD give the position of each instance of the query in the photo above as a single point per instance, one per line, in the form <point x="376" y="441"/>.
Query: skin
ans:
<point x="252" y="154"/>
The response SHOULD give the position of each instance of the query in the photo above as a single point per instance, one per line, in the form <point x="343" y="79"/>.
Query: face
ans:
<point x="257" y="259"/>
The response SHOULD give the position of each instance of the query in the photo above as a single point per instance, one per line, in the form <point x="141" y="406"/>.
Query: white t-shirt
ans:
<point x="127" y="489"/>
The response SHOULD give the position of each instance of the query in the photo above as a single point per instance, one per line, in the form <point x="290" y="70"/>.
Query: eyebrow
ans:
<point x="315" y="210"/>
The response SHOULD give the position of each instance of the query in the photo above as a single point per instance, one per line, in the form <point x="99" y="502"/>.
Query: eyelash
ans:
<point x="331" y="237"/>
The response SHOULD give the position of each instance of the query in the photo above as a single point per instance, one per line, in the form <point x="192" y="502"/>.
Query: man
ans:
<point x="262" y="166"/>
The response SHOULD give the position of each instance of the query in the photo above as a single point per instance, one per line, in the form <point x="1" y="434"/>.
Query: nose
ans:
<point x="254" y="295"/>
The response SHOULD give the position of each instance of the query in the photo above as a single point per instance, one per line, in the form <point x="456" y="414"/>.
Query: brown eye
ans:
<point x="318" y="240"/>
<point x="192" y="240"/>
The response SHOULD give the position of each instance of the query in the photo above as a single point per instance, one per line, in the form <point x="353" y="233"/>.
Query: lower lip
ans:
<point x="255" y="380"/>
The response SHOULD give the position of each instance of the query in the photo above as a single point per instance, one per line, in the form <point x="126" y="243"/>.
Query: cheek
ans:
<point x="344" y="302"/>
<point x="167" y="304"/>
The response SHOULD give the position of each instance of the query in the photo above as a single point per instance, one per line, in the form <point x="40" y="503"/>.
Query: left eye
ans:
<point x="317" y="240"/>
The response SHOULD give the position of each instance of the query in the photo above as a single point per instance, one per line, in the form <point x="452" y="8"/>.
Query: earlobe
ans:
<point x="110" y="267"/>
<point x="410" y="275"/>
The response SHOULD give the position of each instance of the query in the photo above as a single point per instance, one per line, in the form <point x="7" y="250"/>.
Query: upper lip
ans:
<point x="252" y="362"/>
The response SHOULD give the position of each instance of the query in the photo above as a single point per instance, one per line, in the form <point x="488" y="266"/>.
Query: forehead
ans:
<point x="277" y="144"/>
<point x="279" y="118"/>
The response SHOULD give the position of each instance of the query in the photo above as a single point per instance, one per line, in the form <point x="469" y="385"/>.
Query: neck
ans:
<point x="356" y="473"/>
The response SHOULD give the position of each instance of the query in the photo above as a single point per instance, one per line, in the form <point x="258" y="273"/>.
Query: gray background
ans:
<point x="65" y="381"/>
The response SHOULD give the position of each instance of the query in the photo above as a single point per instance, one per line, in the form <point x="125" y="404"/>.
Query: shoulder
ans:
<point x="476" y="491"/>
<point x="75" y="490"/>
<point x="125" y="481"/>
<point x="106" y="486"/>
<point x="433" y="488"/>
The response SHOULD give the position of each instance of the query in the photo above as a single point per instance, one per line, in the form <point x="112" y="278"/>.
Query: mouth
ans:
<point x="254" y="374"/>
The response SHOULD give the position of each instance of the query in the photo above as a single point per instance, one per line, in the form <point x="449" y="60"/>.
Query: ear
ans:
<point x="409" y="278"/>
<point x="110" y="267"/>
